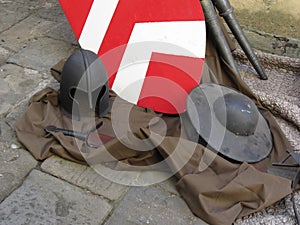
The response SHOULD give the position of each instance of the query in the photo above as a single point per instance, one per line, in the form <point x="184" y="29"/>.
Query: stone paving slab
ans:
<point x="62" y="31"/>
<point x="169" y="185"/>
<point x="150" y="205"/>
<point x="24" y="32"/>
<point x="13" y="12"/>
<point x="31" y="5"/>
<point x="41" y="54"/>
<point x="84" y="177"/>
<point x="15" y="164"/>
<point x="16" y="83"/>
<point x="7" y="133"/>
<point x="51" y="10"/>
<point x="15" y="113"/>
<point x="43" y="199"/>
<point x="4" y="54"/>
<point x="19" y="108"/>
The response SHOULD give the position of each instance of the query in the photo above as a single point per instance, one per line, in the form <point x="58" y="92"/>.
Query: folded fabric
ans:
<point x="216" y="190"/>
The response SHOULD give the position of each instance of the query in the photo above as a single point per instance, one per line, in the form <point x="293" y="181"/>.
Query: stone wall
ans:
<point x="271" y="25"/>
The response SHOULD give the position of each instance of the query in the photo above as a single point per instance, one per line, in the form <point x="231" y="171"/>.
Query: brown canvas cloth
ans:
<point x="43" y="110"/>
<point x="219" y="193"/>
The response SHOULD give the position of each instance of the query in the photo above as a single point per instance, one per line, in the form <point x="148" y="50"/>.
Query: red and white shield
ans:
<point x="153" y="50"/>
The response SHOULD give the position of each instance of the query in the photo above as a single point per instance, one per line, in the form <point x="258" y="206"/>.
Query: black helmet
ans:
<point x="84" y="86"/>
<point x="229" y="122"/>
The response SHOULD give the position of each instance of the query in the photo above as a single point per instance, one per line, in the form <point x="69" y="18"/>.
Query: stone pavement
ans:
<point x="34" y="36"/>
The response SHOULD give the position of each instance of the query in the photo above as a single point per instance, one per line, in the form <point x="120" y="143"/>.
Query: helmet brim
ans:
<point x="251" y="149"/>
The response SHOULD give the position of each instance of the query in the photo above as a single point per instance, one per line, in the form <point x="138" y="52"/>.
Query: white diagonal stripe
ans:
<point x="183" y="38"/>
<point x="97" y="23"/>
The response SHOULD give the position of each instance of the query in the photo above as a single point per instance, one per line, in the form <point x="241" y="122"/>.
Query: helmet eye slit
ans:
<point x="84" y="89"/>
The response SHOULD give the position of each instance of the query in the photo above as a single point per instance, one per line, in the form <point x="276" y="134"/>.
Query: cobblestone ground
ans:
<point x="34" y="36"/>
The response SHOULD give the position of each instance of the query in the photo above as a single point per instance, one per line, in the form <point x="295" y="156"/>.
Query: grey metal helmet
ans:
<point x="241" y="114"/>
<point x="84" y="87"/>
<point x="229" y="122"/>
